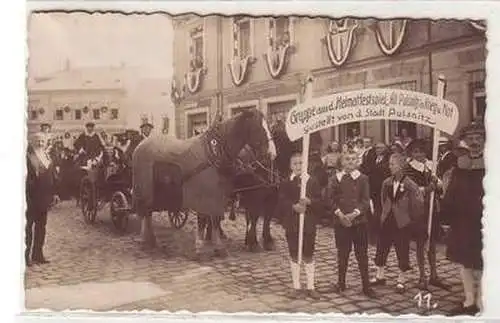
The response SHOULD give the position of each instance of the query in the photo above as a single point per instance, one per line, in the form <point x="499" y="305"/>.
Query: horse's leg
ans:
<point x="268" y="241"/>
<point x="252" y="243"/>
<point x="247" y="227"/>
<point x="200" y="234"/>
<point x="222" y="234"/>
<point x="219" y="247"/>
<point x="147" y="231"/>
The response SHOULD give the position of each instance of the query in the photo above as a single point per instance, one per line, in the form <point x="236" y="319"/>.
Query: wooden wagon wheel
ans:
<point x="88" y="200"/>
<point x="119" y="211"/>
<point x="178" y="219"/>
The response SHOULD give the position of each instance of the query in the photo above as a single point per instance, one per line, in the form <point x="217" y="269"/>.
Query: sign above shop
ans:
<point x="371" y="104"/>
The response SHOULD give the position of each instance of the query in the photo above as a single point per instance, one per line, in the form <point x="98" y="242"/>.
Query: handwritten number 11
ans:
<point x="427" y="298"/>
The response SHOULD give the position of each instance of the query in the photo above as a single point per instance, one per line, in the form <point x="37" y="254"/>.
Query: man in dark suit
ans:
<point x="446" y="157"/>
<point x="379" y="172"/>
<point x="368" y="157"/>
<point x="402" y="206"/>
<point x="40" y="189"/>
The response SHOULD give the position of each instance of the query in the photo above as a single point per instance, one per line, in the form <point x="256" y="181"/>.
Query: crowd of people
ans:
<point x="52" y="165"/>
<point x="376" y="193"/>
<point x="381" y="194"/>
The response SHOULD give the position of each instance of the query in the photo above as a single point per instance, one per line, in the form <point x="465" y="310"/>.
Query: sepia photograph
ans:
<point x="250" y="163"/>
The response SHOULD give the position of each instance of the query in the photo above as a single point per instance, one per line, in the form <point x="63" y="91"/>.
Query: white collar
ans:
<point x="354" y="174"/>
<point x="420" y="166"/>
<point x="90" y="134"/>
<point x="306" y="176"/>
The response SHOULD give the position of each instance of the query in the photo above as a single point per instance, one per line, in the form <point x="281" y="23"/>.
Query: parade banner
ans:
<point x="371" y="104"/>
<point x="316" y="114"/>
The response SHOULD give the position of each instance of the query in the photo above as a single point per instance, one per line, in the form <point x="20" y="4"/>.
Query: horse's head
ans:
<point x="254" y="131"/>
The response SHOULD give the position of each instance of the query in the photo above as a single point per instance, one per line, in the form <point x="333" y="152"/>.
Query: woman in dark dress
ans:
<point x="463" y="205"/>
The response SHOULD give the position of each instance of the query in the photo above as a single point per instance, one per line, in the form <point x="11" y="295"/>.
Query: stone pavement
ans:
<point x="109" y="271"/>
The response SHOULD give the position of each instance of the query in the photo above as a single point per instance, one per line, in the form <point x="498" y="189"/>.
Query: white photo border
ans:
<point x="14" y="55"/>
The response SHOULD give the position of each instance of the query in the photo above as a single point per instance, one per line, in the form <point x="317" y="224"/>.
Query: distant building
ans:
<point x="231" y="63"/>
<point x="115" y="98"/>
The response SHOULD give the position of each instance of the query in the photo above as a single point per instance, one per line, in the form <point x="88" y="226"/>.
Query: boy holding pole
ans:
<point x="294" y="206"/>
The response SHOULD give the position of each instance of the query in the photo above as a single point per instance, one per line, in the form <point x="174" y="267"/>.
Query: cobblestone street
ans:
<point x="94" y="267"/>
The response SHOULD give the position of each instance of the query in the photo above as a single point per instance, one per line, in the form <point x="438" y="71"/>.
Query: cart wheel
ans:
<point x="119" y="211"/>
<point x="178" y="219"/>
<point x="88" y="203"/>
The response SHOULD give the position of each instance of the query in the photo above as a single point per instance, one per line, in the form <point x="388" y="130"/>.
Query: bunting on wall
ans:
<point x="176" y="94"/>
<point x="339" y="39"/>
<point x="239" y="66"/>
<point x="390" y="34"/>
<point x="197" y="68"/>
<point x="279" y="47"/>
<point x="479" y="25"/>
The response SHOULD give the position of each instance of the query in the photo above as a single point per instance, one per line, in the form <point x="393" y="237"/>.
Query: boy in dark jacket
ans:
<point x="293" y="206"/>
<point x="349" y="197"/>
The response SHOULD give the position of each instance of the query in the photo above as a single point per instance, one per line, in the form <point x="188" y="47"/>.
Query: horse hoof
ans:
<point x="269" y="246"/>
<point x="221" y="253"/>
<point x="149" y="245"/>
<point x="254" y="247"/>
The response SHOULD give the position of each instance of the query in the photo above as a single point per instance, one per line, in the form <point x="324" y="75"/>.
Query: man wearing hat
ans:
<point x="89" y="143"/>
<point x="146" y="129"/>
<point x="45" y="129"/>
<point x="446" y="157"/>
<point x="40" y="195"/>
<point x="463" y="203"/>
<point x="420" y="171"/>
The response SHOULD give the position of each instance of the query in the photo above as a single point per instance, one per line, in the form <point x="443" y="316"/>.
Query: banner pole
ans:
<point x="440" y="93"/>
<point x="305" y="166"/>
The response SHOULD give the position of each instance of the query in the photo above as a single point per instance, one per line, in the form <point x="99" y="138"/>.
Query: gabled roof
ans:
<point x="91" y="78"/>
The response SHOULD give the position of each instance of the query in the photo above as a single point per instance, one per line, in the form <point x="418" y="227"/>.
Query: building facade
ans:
<point x="225" y="64"/>
<point x="114" y="98"/>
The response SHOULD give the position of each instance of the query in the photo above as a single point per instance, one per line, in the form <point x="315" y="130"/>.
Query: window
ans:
<point x="241" y="37"/>
<point x="478" y="100"/>
<point x="196" y="48"/>
<point x="96" y="114"/>
<point x="279" y="32"/>
<point x="59" y="114"/>
<point x="235" y="111"/>
<point x="394" y="128"/>
<point x="197" y="124"/>
<point x="278" y="111"/>
<point x="165" y="125"/>
<point x="33" y="114"/>
<point x="78" y="114"/>
<point x="114" y="114"/>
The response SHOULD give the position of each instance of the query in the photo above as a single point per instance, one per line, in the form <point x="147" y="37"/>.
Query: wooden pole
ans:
<point x="440" y="93"/>
<point x="305" y="166"/>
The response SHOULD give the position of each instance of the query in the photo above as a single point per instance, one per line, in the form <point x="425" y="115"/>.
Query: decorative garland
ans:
<point x="276" y="60"/>
<point x="390" y="49"/>
<point x="340" y="28"/>
<point x="193" y="80"/>
<point x="175" y="94"/>
<point x="479" y="25"/>
<point x="238" y="69"/>
<point x="67" y="109"/>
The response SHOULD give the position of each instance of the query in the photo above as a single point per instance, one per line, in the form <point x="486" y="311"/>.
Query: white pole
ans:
<point x="440" y="93"/>
<point x="305" y="165"/>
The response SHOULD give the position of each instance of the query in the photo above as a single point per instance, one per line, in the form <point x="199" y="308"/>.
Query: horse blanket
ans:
<point x="172" y="174"/>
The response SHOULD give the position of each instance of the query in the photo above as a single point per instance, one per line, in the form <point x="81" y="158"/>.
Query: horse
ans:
<point x="256" y="185"/>
<point x="174" y="175"/>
